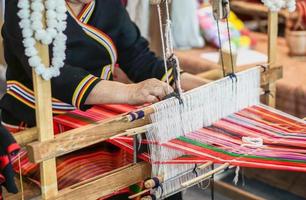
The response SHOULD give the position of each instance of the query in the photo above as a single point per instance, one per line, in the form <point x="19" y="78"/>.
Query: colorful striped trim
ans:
<point x="168" y="75"/>
<point x="106" y="72"/>
<point x="96" y="34"/>
<point x="86" y="13"/>
<point x="26" y="96"/>
<point x="81" y="90"/>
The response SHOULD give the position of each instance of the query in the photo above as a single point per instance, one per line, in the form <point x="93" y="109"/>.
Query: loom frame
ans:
<point x="40" y="138"/>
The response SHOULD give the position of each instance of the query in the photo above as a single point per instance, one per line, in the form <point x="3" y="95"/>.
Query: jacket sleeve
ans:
<point x="72" y="86"/>
<point x="135" y="57"/>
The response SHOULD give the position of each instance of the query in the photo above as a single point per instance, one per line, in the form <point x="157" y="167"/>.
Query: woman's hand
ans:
<point x="111" y="92"/>
<point x="148" y="91"/>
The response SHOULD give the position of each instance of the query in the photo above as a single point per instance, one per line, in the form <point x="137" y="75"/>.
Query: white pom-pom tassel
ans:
<point x="40" y="69"/>
<point x="30" y="52"/>
<point x="51" y="14"/>
<point x="31" y="25"/>
<point x="37" y="25"/>
<point x="46" y="40"/>
<point x="25" y="4"/>
<point x="34" y="61"/>
<point x="50" y="5"/>
<point x="23" y="13"/>
<point x="52" y="32"/>
<point x="29" y="42"/>
<point x="27" y="32"/>
<point x="25" y="23"/>
<point x="47" y="75"/>
<point x="37" y="6"/>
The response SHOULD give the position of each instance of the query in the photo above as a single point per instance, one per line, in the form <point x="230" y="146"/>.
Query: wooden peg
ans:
<point x="205" y="165"/>
<point x="151" y="183"/>
<point x="139" y="194"/>
<point x="147" y="198"/>
<point x="204" y="176"/>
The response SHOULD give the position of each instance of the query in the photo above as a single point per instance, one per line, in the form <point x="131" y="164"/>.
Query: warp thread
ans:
<point x="202" y="107"/>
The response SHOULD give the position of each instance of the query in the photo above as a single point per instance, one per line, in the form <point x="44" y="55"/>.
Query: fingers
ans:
<point x="151" y="99"/>
<point x="149" y="91"/>
<point x="159" y="89"/>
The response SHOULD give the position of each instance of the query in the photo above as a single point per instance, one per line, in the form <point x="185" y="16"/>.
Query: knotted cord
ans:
<point x="223" y="15"/>
<point x="163" y="44"/>
<point x="20" y="177"/>
<point x="170" y="60"/>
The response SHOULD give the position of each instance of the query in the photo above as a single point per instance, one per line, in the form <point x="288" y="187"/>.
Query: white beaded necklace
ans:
<point x="32" y="31"/>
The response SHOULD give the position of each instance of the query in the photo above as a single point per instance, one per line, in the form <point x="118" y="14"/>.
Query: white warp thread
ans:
<point x="202" y="107"/>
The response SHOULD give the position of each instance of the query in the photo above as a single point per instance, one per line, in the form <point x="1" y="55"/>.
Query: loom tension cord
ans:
<point x="222" y="14"/>
<point x="170" y="60"/>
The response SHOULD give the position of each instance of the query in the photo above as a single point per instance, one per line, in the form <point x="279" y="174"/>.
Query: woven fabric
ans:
<point x="283" y="136"/>
<point x="284" y="144"/>
<point x="83" y="164"/>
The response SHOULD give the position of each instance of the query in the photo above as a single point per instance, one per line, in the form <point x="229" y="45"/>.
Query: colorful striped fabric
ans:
<point x="81" y="165"/>
<point x="284" y="141"/>
<point x="284" y="138"/>
<point x="284" y="148"/>
<point x="26" y="96"/>
<point x="78" y="166"/>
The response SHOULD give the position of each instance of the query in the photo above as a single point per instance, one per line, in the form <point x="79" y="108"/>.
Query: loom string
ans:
<point x="220" y="44"/>
<point x="20" y="177"/>
<point x="168" y="50"/>
<point x="230" y="46"/>
<point x="163" y="46"/>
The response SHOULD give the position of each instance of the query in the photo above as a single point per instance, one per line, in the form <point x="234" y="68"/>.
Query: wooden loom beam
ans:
<point x="106" y="129"/>
<point x="27" y="136"/>
<point x="44" y="122"/>
<point x="107" y="184"/>
<point x="267" y="76"/>
<point x="272" y="55"/>
<point x="80" y="138"/>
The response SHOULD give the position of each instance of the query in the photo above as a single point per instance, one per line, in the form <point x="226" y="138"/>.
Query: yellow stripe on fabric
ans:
<point x="106" y="72"/>
<point x="87" y="18"/>
<point x="98" y="36"/>
<point x="109" y="74"/>
<point x="103" y="72"/>
<point x="79" y="88"/>
<point x="111" y="51"/>
<point x="90" y="9"/>
<point x="83" y="90"/>
<point x="30" y="104"/>
<point x="170" y="79"/>
<point x="12" y="82"/>
<point x="167" y="75"/>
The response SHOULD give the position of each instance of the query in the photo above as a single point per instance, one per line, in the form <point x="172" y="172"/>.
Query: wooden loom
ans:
<point x="44" y="147"/>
